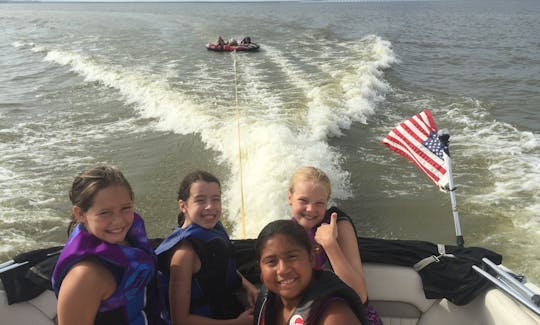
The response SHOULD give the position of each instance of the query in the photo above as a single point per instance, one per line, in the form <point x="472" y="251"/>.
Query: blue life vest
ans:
<point x="133" y="267"/>
<point x="213" y="286"/>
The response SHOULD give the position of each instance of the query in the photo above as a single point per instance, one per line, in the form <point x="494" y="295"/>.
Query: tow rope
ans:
<point x="242" y="214"/>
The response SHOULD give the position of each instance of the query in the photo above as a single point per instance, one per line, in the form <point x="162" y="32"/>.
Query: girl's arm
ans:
<point x="185" y="262"/>
<point x="340" y="244"/>
<point x="252" y="292"/>
<point x="86" y="284"/>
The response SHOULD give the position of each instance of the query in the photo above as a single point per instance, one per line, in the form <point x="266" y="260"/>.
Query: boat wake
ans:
<point x="276" y="134"/>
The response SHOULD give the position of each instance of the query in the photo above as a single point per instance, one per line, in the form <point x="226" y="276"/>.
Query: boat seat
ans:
<point x="38" y="311"/>
<point x="396" y="292"/>
<point x="501" y="309"/>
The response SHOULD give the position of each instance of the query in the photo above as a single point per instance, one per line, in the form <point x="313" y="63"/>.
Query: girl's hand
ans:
<point x="246" y="317"/>
<point x="327" y="233"/>
<point x="252" y="292"/>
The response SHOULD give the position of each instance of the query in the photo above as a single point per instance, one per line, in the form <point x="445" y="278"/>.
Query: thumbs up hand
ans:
<point x="327" y="233"/>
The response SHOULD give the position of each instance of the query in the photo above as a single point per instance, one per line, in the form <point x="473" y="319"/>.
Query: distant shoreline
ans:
<point x="174" y="1"/>
<point x="204" y="1"/>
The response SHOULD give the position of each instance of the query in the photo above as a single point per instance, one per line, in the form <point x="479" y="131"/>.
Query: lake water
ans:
<point x="131" y="84"/>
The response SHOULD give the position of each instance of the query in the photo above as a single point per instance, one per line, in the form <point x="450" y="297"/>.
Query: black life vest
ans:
<point x="213" y="287"/>
<point x="323" y="289"/>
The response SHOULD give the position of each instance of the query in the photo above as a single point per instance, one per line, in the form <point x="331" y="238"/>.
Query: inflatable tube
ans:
<point x="230" y="48"/>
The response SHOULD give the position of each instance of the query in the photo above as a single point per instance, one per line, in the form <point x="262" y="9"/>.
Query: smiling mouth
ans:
<point x="116" y="230"/>
<point x="286" y="282"/>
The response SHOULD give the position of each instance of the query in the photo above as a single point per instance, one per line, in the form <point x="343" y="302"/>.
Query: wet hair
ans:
<point x="87" y="184"/>
<point x="292" y="230"/>
<point x="313" y="174"/>
<point x="185" y="187"/>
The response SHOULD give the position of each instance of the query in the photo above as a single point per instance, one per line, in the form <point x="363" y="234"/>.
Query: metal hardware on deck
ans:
<point x="508" y="284"/>
<point x="444" y="137"/>
<point x="6" y="264"/>
<point x="533" y="296"/>
<point x="10" y="265"/>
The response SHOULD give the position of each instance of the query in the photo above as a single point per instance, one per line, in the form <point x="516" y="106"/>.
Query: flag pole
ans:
<point x="444" y="137"/>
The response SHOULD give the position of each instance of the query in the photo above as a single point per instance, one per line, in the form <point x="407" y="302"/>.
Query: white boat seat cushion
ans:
<point x="38" y="311"/>
<point x="396" y="288"/>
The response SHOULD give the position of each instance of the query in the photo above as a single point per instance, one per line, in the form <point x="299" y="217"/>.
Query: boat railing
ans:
<point x="508" y="283"/>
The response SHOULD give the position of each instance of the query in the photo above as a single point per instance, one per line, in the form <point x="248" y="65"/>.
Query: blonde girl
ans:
<point x="332" y="232"/>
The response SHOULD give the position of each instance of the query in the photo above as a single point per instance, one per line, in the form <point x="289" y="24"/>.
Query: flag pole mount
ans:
<point x="444" y="138"/>
<point x="418" y="140"/>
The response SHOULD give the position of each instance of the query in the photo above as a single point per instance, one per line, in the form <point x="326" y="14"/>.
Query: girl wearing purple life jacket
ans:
<point x="103" y="273"/>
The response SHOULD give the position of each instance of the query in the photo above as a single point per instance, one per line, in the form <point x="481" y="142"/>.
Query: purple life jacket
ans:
<point x="132" y="266"/>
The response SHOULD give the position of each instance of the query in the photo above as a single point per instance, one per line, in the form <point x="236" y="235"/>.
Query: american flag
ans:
<point x="417" y="140"/>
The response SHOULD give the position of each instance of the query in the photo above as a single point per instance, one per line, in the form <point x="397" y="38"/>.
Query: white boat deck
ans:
<point x="397" y="294"/>
<point x="395" y="291"/>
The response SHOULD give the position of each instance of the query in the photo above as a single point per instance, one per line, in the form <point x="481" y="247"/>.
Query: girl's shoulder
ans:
<point x="92" y="265"/>
<point x="185" y="256"/>
<point x="93" y="274"/>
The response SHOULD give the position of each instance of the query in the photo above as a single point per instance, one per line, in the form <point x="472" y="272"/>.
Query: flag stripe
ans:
<point x="419" y="123"/>
<point x="410" y="138"/>
<point x="417" y="146"/>
<point x="420" y="157"/>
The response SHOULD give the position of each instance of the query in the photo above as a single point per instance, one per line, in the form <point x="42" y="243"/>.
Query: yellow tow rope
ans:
<point x="242" y="214"/>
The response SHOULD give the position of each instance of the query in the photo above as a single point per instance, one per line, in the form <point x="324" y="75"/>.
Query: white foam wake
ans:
<point x="275" y="139"/>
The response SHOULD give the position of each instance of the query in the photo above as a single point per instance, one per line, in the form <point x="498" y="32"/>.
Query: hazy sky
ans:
<point x="208" y="0"/>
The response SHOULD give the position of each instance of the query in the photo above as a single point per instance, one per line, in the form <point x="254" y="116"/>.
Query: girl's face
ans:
<point x="285" y="268"/>
<point x="111" y="215"/>
<point x="308" y="203"/>
<point x="203" y="206"/>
